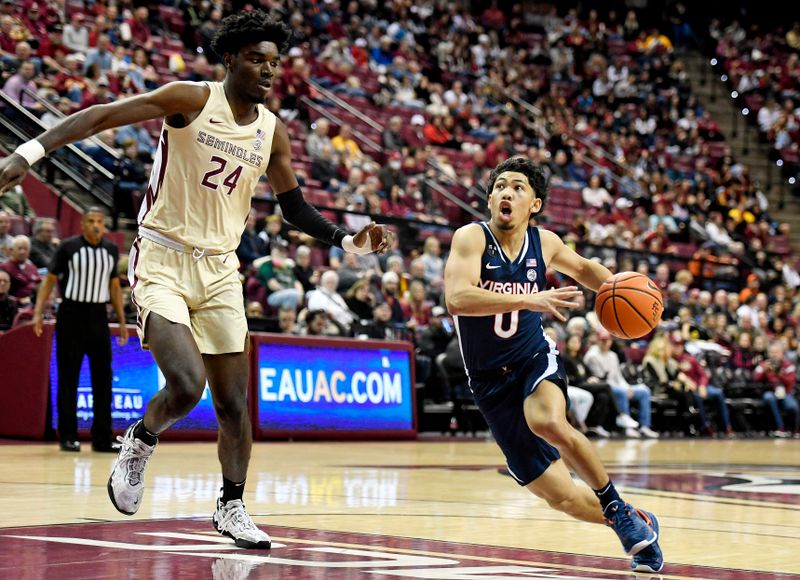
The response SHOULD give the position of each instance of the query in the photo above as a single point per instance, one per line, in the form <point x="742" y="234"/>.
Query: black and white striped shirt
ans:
<point x="84" y="271"/>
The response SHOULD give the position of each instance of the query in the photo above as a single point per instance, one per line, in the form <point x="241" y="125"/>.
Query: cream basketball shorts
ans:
<point x="194" y="288"/>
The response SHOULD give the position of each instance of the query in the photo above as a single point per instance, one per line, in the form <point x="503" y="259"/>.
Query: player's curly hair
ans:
<point x="536" y="176"/>
<point x="243" y="28"/>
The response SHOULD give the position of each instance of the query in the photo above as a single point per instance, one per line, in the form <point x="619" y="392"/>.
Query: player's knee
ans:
<point x="185" y="389"/>
<point x="231" y="410"/>
<point x="551" y="428"/>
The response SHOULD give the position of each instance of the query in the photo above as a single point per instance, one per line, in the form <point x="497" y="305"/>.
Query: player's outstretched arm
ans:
<point x="462" y="275"/>
<point x="565" y="260"/>
<point x="296" y="210"/>
<point x="171" y="99"/>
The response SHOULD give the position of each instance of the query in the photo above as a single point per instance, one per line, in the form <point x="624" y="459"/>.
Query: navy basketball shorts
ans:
<point x="500" y="397"/>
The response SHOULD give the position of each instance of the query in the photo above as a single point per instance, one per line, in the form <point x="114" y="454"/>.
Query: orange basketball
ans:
<point x="629" y="305"/>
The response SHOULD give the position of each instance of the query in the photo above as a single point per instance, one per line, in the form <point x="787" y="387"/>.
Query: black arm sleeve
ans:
<point x="297" y="211"/>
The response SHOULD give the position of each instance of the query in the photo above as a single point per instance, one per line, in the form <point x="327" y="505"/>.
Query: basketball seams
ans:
<point x="614" y="306"/>
<point x="651" y="294"/>
<point x="636" y="310"/>
<point x="631" y="277"/>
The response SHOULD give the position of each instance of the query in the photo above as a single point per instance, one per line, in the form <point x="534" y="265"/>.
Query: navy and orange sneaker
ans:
<point x="650" y="559"/>
<point x="631" y="526"/>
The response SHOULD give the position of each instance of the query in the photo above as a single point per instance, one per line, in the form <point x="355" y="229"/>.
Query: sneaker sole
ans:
<point x="243" y="543"/>
<point x="114" y="502"/>
<point x="647" y="568"/>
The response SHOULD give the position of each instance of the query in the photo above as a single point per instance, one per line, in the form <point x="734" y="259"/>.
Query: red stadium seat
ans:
<point x="19" y="226"/>
<point x="634" y="354"/>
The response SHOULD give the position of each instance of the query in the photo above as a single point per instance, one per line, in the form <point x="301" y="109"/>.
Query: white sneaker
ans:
<point x="233" y="521"/>
<point x="600" y="431"/>
<point x="632" y="433"/>
<point x="626" y="422"/>
<point x="126" y="483"/>
<point x="648" y="432"/>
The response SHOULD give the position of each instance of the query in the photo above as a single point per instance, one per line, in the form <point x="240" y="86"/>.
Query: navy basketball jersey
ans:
<point x="494" y="341"/>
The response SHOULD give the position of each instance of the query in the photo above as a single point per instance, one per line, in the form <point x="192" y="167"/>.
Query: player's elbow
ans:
<point x="455" y="302"/>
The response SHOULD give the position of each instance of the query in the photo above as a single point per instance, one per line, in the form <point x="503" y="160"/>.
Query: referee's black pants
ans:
<point x="82" y="329"/>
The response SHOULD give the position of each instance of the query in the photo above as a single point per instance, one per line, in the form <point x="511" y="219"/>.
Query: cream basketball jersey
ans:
<point x="204" y="175"/>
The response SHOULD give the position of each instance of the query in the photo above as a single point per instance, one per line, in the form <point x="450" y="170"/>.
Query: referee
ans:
<point x="85" y="267"/>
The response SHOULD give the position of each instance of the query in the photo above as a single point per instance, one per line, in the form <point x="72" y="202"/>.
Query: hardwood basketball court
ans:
<point x="424" y="509"/>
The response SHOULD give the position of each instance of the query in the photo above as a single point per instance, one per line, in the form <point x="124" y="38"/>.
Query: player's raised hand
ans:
<point x="12" y="170"/>
<point x="551" y="300"/>
<point x="380" y="237"/>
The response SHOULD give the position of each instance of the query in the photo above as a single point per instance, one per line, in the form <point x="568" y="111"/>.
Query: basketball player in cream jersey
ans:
<point x="216" y="141"/>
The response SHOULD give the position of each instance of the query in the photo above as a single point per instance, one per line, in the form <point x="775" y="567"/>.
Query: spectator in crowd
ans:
<point x="138" y="133"/>
<point x="350" y="271"/>
<point x="360" y="300"/>
<point x="130" y="182"/>
<point x="580" y="402"/>
<point x="99" y="95"/>
<point x="748" y="293"/>
<point x="436" y="133"/>
<point x="44" y="242"/>
<point x="359" y="219"/>
<point x="24" y="275"/>
<point x="382" y="327"/>
<point x="326" y="298"/>
<point x="432" y="260"/>
<point x="595" y="195"/>
<point x="256" y="321"/>
<point x="140" y="31"/>
<point x="101" y="55"/>
<point x="318" y="139"/>
<point x="14" y="202"/>
<point x="395" y="264"/>
<point x="303" y="270"/>
<point x="602" y="413"/>
<point x="276" y="274"/>
<point x="390" y="284"/>
<point x="76" y="35"/>
<point x="417" y="310"/>
<point x="392" y="137"/>
<point x="743" y="356"/>
<point x="272" y="233"/>
<point x="287" y="321"/>
<point x="779" y="377"/>
<point x="9" y="306"/>
<point x="432" y="341"/>
<point x="319" y="323"/>
<point x="604" y="364"/>
<point x="346" y="147"/>
<point x="251" y="246"/>
<point x="324" y="169"/>
<point x="18" y="86"/>
<point x="6" y="239"/>
<point x="391" y="174"/>
<point x="692" y="378"/>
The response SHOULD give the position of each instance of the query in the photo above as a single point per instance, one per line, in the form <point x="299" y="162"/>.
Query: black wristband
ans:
<point x="297" y="211"/>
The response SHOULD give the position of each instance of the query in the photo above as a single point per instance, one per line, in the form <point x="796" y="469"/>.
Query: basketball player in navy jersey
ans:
<point x="494" y="287"/>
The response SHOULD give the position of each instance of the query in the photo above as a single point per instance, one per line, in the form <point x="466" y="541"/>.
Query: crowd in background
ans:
<point x="763" y="67"/>
<point x="640" y="176"/>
